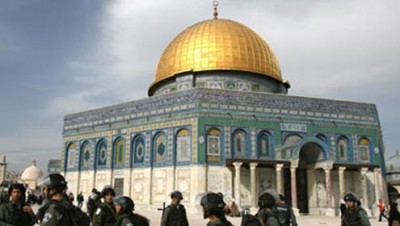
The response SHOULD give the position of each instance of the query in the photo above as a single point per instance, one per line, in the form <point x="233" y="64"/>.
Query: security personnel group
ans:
<point x="105" y="209"/>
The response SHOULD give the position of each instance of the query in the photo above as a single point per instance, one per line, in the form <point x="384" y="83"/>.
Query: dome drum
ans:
<point x="226" y="80"/>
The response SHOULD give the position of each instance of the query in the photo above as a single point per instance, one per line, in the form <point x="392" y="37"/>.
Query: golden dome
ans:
<point x="217" y="44"/>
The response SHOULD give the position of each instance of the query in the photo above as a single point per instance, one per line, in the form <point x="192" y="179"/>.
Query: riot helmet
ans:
<point x="213" y="204"/>
<point x="350" y="197"/>
<point x="177" y="194"/>
<point x="266" y="200"/>
<point x="126" y="203"/>
<point x="56" y="181"/>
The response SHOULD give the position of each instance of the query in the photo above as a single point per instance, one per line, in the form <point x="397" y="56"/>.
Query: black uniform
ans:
<point x="394" y="214"/>
<point x="174" y="215"/>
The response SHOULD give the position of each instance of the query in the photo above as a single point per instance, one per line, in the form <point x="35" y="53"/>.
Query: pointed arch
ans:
<point x="160" y="148"/>
<point x="138" y="150"/>
<point x="214" y="142"/>
<point x="119" y="153"/>
<point x="238" y="143"/>
<point x="264" y="144"/>
<point x="183" y="146"/>
<point x="85" y="155"/>
<point x="101" y="154"/>
<point x="70" y="158"/>
<point x="364" y="149"/>
<point x="342" y="148"/>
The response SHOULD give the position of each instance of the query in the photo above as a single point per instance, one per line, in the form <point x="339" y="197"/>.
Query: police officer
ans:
<point x="93" y="200"/>
<point x="213" y="209"/>
<point x="55" y="211"/>
<point x="354" y="214"/>
<point x="282" y="206"/>
<point x="124" y="207"/>
<point x="105" y="214"/>
<point x="175" y="214"/>
<point x="16" y="212"/>
<point x="267" y="202"/>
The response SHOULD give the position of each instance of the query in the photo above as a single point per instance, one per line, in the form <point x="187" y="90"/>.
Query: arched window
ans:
<point x="342" y="149"/>
<point x="85" y="155"/>
<point x="363" y="147"/>
<point x="160" y="145"/>
<point x="101" y="153"/>
<point x="71" y="156"/>
<point x="239" y="143"/>
<point x="213" y="142"/>
<point x="138" y="149"/>
<point x="263" y="145"/>
<point x="183" y="146"/>
<point x="119" y="153"/>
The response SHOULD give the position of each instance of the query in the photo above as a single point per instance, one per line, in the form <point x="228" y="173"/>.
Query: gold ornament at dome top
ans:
<point x="217" y="44"/>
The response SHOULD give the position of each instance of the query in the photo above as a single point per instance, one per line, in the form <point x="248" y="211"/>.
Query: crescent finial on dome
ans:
<point x="215" y="4"/>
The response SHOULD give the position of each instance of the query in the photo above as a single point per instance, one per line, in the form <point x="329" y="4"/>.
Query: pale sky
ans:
<point x="62" y="57"/>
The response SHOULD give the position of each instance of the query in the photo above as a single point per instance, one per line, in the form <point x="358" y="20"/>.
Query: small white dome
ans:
<point x="393" y="164"/>
<point x="32" y="173"/>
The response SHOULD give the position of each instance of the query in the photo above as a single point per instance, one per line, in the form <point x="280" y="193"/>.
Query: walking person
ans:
<point x="16" y="212"/>
<point x="175" y="213"/>
<point x="382" y="210"/>
<point x="80" y="199"/>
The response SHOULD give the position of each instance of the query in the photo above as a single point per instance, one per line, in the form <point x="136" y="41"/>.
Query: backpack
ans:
<point x="250" y="220"/>
<point x="72" y="215"/>
<point x="82" y="218"/>
<point x="282" y="213"/>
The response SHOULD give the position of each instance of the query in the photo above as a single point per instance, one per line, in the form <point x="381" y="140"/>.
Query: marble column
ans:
<point x="328" y="183"/>
<point x="341" y="182"/>
<point x="278" y="170"/>
<point x="237" y="166"/>
<point x="293" y="184"/>
<point x="253" y="185"/>
<point x="377" y="185"/>
<point x="364" y="187"/>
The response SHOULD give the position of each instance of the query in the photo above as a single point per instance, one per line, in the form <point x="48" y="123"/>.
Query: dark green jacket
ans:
<point x="104" y="215"/>
<point x="355" y="217"/>
<point x="11" y="215"/>
<point x="174" y="215"/>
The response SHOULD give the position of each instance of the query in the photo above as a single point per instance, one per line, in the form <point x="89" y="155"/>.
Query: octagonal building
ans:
<point x="218" y="118"/>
